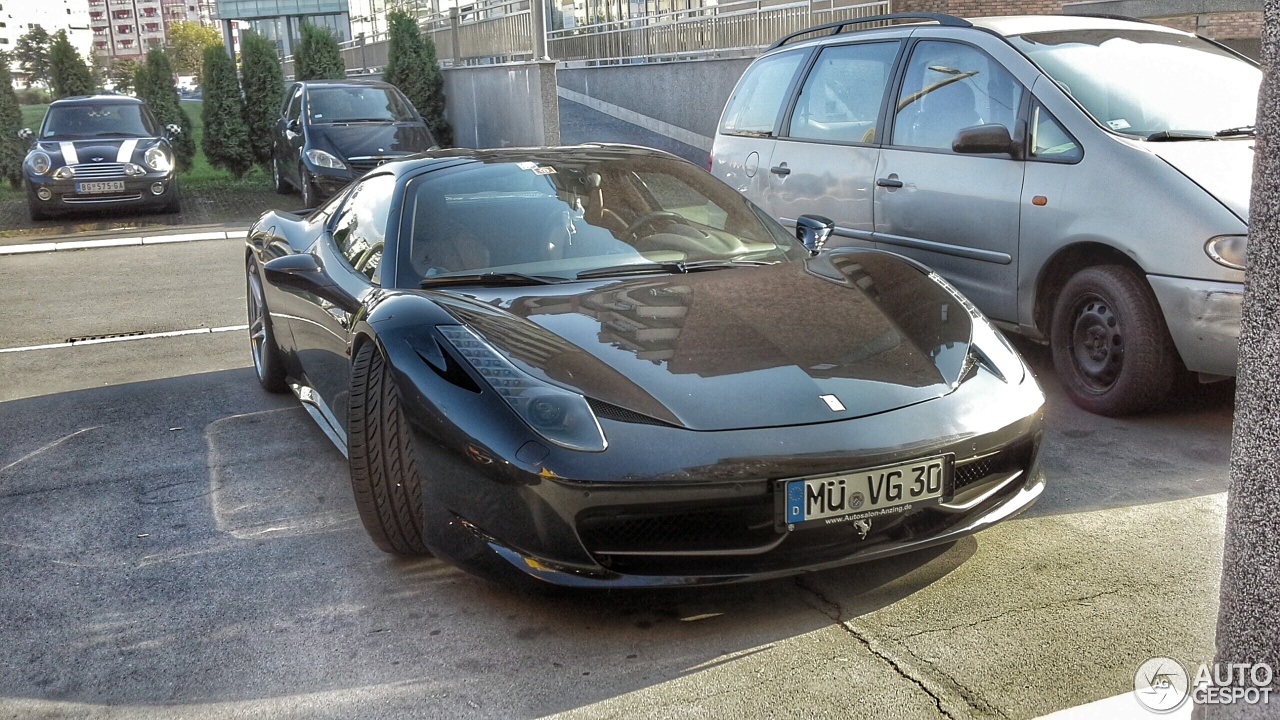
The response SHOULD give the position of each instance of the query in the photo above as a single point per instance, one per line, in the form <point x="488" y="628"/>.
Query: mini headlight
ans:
<point x="157" y="159"/>
<point x="1228" y="250"/>
<point x="561" y="416"/>
<point x="320" y="158"/>
<point x="39" y="162"/>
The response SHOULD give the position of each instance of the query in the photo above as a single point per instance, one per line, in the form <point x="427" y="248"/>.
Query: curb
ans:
<point x="123" y="242"/>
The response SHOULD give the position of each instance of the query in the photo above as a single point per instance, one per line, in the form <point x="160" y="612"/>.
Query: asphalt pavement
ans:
<point x="177" y="543"/>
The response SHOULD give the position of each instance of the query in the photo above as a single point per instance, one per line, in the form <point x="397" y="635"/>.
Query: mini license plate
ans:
<point x="104" y="186"/>
<point x="860" y="494"/>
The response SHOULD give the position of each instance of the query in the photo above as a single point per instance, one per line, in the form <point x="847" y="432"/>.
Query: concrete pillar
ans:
<point x="1249" y="614"/>
<point x="453" y="35"/>
<point x="538" y="13"/>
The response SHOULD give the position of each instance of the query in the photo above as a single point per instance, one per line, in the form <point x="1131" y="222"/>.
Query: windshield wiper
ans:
<point x="489" y="279"/>
<point x="1243" y="130"/>
<point x="1172" y="135"/>
<point x="674" y="266"/>
<point x="364" y="120"/>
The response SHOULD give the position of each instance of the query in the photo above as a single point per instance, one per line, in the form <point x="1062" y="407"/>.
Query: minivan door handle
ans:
<point x="780" y="170"/>
<point x="890" y="182"/>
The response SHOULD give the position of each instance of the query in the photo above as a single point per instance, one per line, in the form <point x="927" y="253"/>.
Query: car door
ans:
<point x="288" y="140"/>
<point x="957" y="213"/>
<point x="350" y="253"/>
<point x="825" y="161"/>
<point x="749" y="124"/>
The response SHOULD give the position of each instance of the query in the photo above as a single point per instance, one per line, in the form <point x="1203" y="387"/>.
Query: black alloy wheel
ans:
<point x="262" y="341"/>
<point x="306" y="187"/>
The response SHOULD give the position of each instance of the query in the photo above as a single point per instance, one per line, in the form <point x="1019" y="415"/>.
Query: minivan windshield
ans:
<point x="1150" y="84"/>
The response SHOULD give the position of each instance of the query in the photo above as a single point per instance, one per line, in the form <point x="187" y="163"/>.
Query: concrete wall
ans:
<point x="681" y="100"/>
<point x="508" y="105"/>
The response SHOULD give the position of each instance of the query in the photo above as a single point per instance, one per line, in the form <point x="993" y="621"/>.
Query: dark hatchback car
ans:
<point x="600" y="366"/>
<point x="99" y="151"/>
<point x="331" y="132"/>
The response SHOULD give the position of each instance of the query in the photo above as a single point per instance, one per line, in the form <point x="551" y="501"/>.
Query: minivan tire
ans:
<point x="1111" y="347"/>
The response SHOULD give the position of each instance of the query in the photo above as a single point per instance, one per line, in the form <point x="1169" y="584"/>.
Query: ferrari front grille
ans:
<point x="656" y="530"/>
<point x="1002" y="462"/>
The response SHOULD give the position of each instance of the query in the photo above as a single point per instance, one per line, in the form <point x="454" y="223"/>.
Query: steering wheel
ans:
<point x="633" y="230"/>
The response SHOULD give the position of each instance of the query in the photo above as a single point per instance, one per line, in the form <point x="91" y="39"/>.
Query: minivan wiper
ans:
<point x="489" y="279"/>
<point x="1243" y="130"/>
<point x="1172" y="135"/>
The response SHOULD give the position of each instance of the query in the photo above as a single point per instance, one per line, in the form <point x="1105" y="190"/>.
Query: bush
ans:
<point x="317" y="56"/>
<point x="12" y="150"/>
<point x="263" y="92"/>
<point x="413" y="69"/>
<point x="68" y="72"/>
<point x="226" y="139"/>
<point x="34" y="96"/>
<point x="153" y="82"/>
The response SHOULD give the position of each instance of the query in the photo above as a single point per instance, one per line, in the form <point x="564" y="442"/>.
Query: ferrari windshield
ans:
<point x="80" y="121"/>
<point x="1150" y="84"/>
<point x="568" y="218"/>
<point x="351" y="104"/>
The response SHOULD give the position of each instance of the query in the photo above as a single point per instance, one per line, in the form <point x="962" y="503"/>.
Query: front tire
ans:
<point x="35" y="208"/>
<point x="282" y="188"/>
<point x="306" y="187"/>
<point x="384" y="468"/>
<point x="267" y="361"/>
<point x="1111" y="347"/>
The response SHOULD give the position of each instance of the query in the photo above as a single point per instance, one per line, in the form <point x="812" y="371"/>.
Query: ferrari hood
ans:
<point x="839" y="336"/>
<point x="1223" y="168"/>
<point x="370" y="139"/>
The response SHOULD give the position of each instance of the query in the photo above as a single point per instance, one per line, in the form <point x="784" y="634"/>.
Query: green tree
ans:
<point x="12" y="150"/>
<point x="153" y="82"/>
<point x="187" y="43"/>
<point x="68" y="73"/>
<point x="226" y="139"/>
<point x="121" y="73"/>
<point x="413" y="69"/>
<point x="317" y="56"/>
<point x="32" y="53"/>
<point x="263" y="92"/>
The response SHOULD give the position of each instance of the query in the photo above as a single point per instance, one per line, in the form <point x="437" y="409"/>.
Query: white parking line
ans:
<point x="122" y="242"/>
<point x="146" y="336"/>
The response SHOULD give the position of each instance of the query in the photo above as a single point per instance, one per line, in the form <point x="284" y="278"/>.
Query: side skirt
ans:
<point x="314" y="405"/>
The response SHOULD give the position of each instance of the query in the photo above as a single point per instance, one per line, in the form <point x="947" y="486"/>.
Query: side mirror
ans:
<point x="984" y="140"/>
<point x="302" y="272"/>
<point x="294" y="125"/>
<point x="173" y="129"/>
<point x="813" y="231"/>
<point x="25" y="134"/>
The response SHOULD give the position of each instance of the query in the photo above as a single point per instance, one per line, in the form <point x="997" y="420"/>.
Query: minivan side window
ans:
<point x="1050" y="141"/>
<point x="949" y="86"/>
<point x="756" y="102"/>
<point x="294" y="109"/>
<point x="842" y="96"/>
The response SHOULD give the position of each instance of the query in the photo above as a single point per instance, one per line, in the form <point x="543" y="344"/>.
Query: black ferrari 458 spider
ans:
<point x="600" y="366"/>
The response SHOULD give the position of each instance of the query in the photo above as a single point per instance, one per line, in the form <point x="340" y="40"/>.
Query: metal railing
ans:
<point x="723" y="30"/>
<point x="502" y="30"/>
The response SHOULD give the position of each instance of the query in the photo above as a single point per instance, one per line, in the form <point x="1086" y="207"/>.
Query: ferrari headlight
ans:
<point x="320" y="158"/>
<point x="561" y="416"/>
<point x="1228" y="250"/>
<point x="39" y="162"/>
<point x="988" y="343"/>
<point x="157" y="159"/>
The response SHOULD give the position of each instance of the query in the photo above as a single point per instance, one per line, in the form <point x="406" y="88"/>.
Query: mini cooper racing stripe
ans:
<point x="126" y="150"/>
<point x="69" y="155"/>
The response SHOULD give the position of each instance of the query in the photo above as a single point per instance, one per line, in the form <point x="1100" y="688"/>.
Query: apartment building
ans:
<point x="18" y="17"/>
<point x="129" y="28"/>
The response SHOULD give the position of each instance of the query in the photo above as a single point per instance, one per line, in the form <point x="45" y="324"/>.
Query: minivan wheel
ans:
<point x="281" y="186"/>
<point x="1111" y="347"/>
<point x="307" y="190"/>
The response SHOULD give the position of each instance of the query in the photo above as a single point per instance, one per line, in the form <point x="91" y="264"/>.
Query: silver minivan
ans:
<point x="1082" y="180"/>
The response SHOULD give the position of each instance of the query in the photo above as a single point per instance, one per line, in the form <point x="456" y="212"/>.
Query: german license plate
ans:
<point x="105" y="186"/>
<point x="883" y="490"/>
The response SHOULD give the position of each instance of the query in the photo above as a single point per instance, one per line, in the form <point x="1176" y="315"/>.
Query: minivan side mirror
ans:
<point x="293" y="125"/>
<point x="984" y="140"/>
<point x="813" y="231"/>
